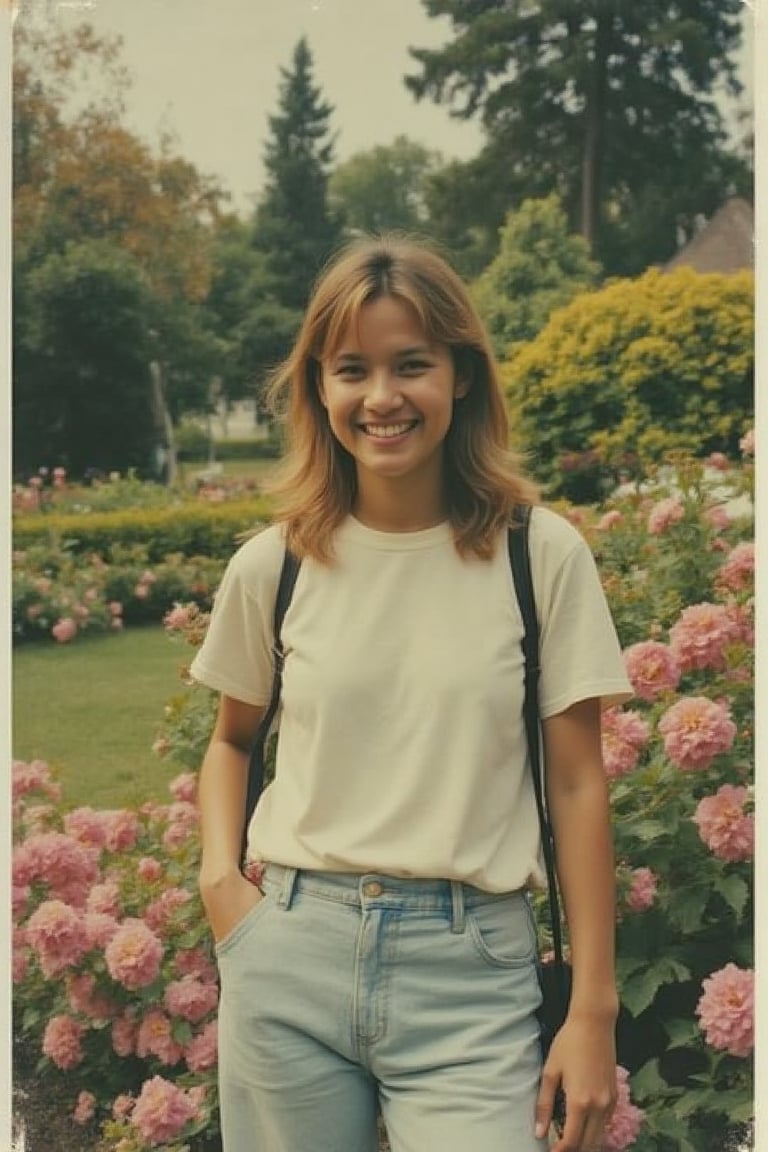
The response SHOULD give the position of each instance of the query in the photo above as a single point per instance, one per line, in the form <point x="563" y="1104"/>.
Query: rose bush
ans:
<point x="113" y="970"/>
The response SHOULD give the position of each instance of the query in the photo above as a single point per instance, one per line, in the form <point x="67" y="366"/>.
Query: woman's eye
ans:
<point x="350" y="371"/>
<point x="414" y="367"/>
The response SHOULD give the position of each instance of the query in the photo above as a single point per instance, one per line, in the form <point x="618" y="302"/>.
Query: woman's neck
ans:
<point x="393" y="507"/>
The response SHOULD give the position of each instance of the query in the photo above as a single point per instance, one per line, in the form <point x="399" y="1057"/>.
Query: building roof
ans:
<point x="724" y="244"/>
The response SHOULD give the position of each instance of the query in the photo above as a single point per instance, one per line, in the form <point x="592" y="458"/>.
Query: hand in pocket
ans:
<point x="228" y="901"/>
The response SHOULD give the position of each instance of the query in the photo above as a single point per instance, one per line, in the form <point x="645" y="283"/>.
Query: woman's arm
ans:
<point x="582" y="1058"/>
<point x="222" y="787"/>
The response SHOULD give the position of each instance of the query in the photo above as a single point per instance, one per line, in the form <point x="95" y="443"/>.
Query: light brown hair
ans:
<point x="315" y="487"/>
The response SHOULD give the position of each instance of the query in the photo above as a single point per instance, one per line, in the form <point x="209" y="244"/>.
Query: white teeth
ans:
<point x="385" y="431"/>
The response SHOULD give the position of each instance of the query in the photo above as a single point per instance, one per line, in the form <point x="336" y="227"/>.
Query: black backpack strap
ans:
<point x="520" y="561"/>
<point x="288" y="574"/>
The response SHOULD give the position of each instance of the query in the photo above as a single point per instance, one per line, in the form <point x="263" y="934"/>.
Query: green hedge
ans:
<point x="194" y="450"/>
<point x="191" y="529"/>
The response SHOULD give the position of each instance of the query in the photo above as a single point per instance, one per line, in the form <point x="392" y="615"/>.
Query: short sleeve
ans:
<point x="236" y="655"/>
<point x="580" y="652"/>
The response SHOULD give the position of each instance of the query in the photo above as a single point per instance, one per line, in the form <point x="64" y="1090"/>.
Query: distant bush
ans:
<point x="620" y="377"/>
<point x="192" y="529"/>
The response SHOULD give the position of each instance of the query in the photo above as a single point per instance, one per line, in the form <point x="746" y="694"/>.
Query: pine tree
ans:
<point x="294" y="226"/>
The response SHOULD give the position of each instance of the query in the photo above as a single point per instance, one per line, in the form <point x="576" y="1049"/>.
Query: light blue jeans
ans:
<point x="338" y="991"/>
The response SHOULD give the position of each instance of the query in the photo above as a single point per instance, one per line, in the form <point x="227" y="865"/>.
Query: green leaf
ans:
<point x="639" y="990"/>
<point x="686" y="908"/>
<point x="734" y="890"/>
<point x="648" y="830"/>
<point x="681" y="1032"/>
<point x="647" y="1083"/>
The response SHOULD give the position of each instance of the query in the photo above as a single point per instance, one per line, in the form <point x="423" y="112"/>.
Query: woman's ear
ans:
<point x="460" y="389"/>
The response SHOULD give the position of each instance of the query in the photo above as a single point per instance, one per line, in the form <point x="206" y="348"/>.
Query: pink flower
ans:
<point x="161" y="1111"/>
<point x="116" y="623"/>
<point x="701" y="635"/>
<point x="122" y="1106"/>
<point x="195" y="962"/>
<point x="623" y="735"/>
<point x="161" y="746"/>
<point x="141" y="591"/>
<point x="718" y="517"/>
<point x="115" y="608"/>
<point x="177" y="618"/>
<point x="104" y="898"/>
<point x="746" y="444"/>
<point x="695" y="731"/>
<point x="67" y="867"/>
<point x="155" y="1038"/>
<point x="99" y="927"/>
<point x="160" y="912"/>
<point x="652" y="668"/>
<point x="726" y="1010"/>
<point x="85" y="825"/>
<point x="34" y="777"/>
<point x="55" y="931"/>
<point x="184" y="787"/>
<point x="622" y="1129"/>
<point x="122" y="830"/>
<point x="664" y="514"/>
<point x="62" y="1041"/>
<point x="738" y="570"/>
<point x="609" y="520"/>
<point x="124" y="1033"/>
<point x="133" y="955"/>
<point x="202" y="1051"/>
<point x="726" y="829"/>
<point x="190" y="999"/>
<point x="85" y="1108"/>
<point x="91" y="595"/>
<point x="642" y="891"/>
<point x="149" y="869"/>
<point x="64" y="630"/>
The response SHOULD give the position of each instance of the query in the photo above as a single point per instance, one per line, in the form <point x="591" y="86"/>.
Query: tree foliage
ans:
<point x="294" y="227"/>
<point x="620" y="377"/>
<point x="383" y="188"/>
<point x="608" y="104"/>
<point x="540" y="267"/>
<point x="104" y="212"/>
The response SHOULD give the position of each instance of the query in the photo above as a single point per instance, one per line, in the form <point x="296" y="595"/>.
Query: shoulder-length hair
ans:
<point x="315" y="487"/>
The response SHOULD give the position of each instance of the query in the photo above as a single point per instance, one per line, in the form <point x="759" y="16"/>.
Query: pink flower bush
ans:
<point x="33" y="777"/>
<point x="747" y="442"/>
<point x="609" y="520"/>
<point x="664" y="514"/>
<point x="66" y="866"/>
<point x="160" y="913"/>
<point x="161" y="1111"/>
<point x="642" y="891"/>
<point x="124" y="1035"/>
<point x="623" y="1128"/>
<point x="701" y="635"/>
<point x="726" y="1010"/>
<point x="184" y="787"/>
<point x="652" y="669"/>
<point x="133" y="955"/>
<point x="624" y="734"/>
<point x="738" y="570"/>
<point x="695" y="731"/>
<point x="726" y="829"/>
<point x="149" y="869"/>
<point x="62" y="1042"/>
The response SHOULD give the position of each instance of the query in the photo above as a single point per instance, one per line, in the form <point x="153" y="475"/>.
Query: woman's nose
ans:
<point x="383" y="392"/>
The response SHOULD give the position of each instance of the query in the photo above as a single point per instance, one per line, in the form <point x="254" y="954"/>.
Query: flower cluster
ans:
<point x="110" y="947"/>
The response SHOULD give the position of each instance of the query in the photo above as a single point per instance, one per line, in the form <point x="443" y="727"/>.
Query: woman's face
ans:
<point x="389" y="394"/>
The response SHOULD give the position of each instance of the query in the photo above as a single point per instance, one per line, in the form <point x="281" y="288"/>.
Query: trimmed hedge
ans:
<point x="190" y="529"/>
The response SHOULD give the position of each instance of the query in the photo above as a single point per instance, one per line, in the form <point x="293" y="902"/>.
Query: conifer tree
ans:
<point x="294" y="226"/>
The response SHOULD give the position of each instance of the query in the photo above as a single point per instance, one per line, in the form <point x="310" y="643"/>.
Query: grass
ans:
<point x="92" y="710"/>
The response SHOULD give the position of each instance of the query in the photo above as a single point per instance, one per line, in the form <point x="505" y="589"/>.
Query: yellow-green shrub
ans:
<point x="192" y="529"/>
<point x="620" y="377"/>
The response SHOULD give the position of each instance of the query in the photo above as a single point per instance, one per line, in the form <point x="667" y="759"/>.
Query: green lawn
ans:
<point x="93" y="708"/>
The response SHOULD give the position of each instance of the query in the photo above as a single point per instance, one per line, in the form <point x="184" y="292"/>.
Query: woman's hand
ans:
<point x="228" y="898"/>
<point x="581" y="1064"/>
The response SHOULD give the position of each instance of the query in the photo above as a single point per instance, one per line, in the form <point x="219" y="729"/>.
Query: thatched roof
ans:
<point x="725" y="243"/>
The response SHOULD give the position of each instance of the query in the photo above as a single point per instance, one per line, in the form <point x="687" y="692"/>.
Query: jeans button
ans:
<point x="372" y="888"/>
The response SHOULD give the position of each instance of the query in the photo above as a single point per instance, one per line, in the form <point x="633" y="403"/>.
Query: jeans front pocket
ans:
<point x="502" y="932"/>
<point x="243" y="927"/>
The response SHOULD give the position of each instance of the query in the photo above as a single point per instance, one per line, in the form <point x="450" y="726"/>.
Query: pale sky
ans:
<point x="208" y="70"/>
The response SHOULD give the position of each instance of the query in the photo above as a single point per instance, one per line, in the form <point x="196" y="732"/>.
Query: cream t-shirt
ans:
<point x="402" y="747"/>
